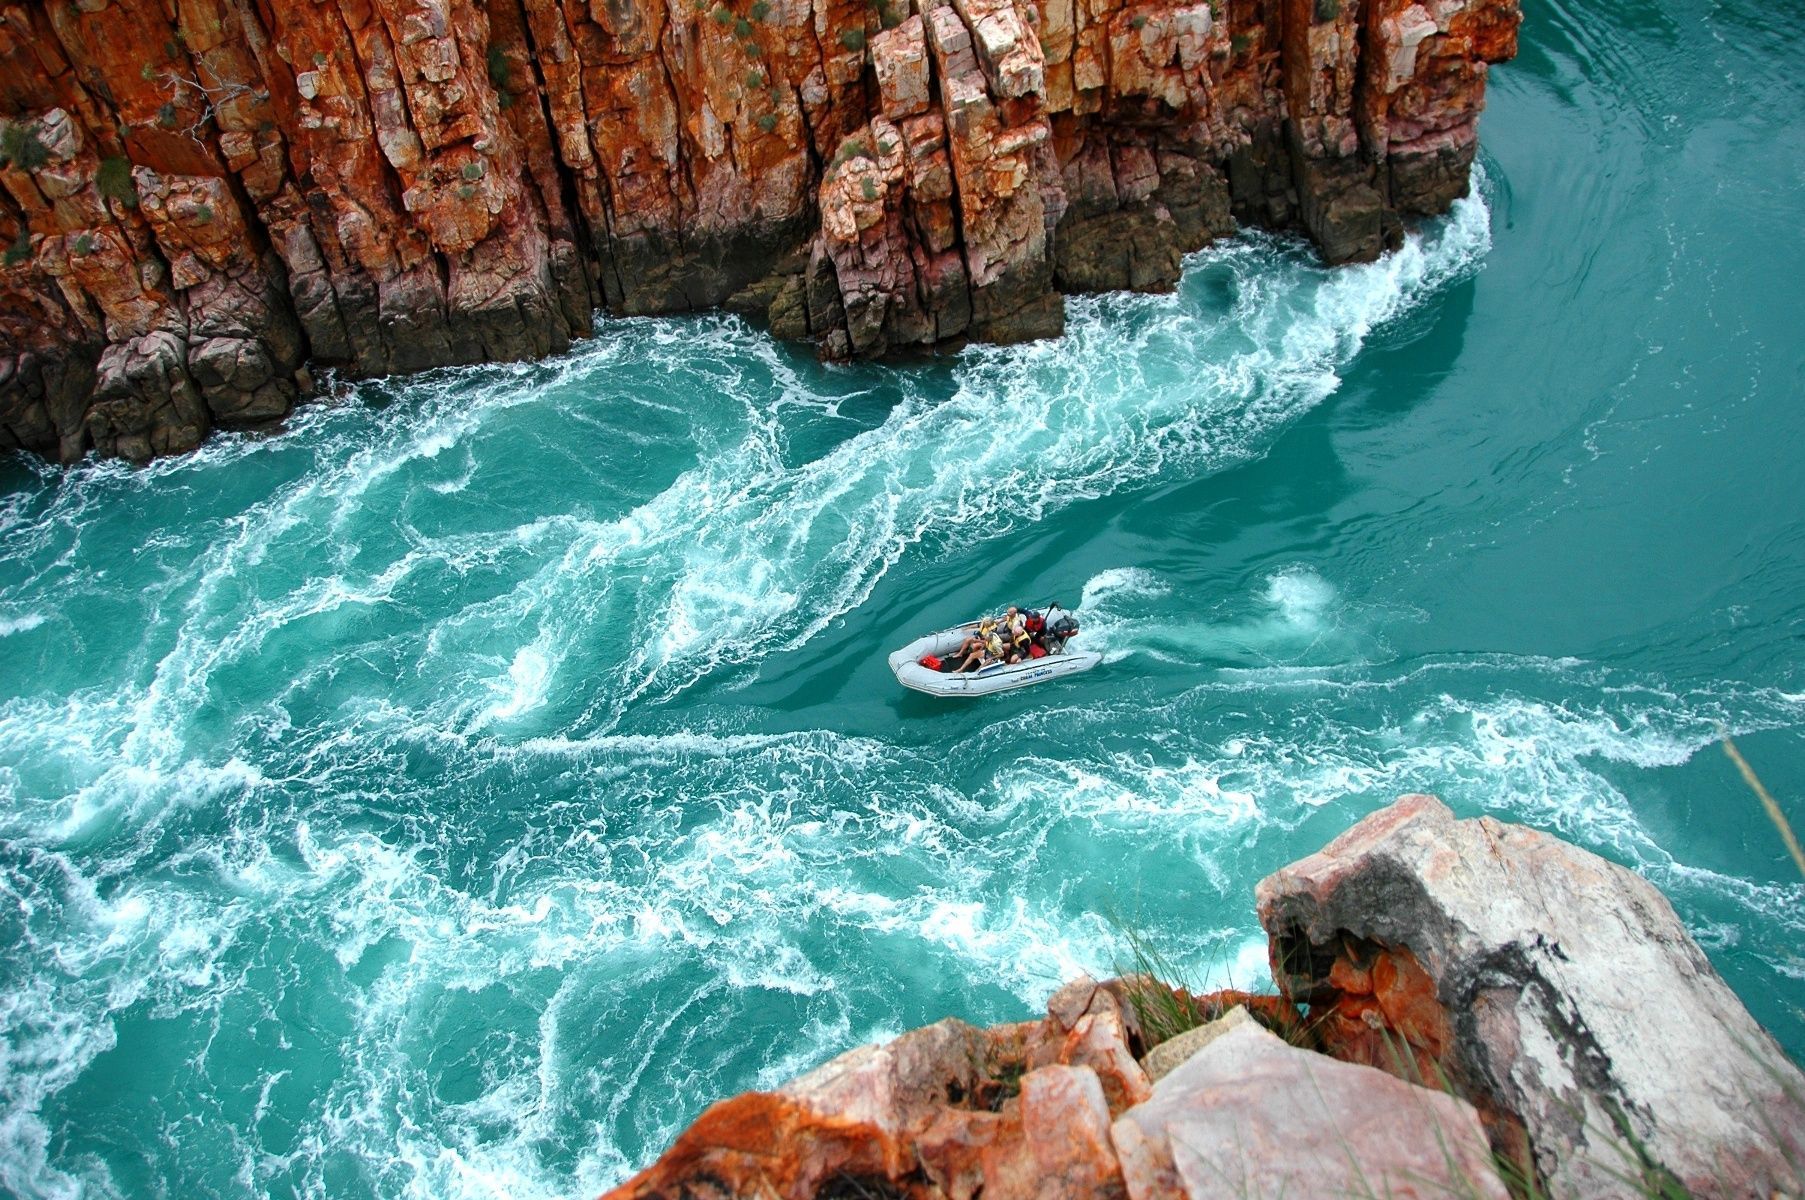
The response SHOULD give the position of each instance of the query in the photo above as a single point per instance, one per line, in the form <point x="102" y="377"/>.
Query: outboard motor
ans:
<point x="1060" y="630"/>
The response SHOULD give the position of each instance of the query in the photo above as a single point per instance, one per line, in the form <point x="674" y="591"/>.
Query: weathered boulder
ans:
<point x="1557" y="991"/>
<point x="1170" y="1054"/>
<point x="1248" y="1115"/>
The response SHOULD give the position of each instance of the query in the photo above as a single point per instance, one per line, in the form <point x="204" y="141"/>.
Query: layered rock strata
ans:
<point x="1456" y="997"/>
<point x="201" y="199"/>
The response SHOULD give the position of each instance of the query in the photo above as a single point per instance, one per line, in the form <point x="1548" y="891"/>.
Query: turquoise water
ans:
<point x="453" y="794"/>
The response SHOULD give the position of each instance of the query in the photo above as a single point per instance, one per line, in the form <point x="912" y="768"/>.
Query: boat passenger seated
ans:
<point x="988" y="650"/>
<point x="975" y="641"/>
<point x="1015" y="631"/>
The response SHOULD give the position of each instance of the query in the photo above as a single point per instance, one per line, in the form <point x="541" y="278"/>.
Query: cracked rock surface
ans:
<point x="1556" y="991"/>
<point x="202" y="202"/>
<point x="1453" y="993"/>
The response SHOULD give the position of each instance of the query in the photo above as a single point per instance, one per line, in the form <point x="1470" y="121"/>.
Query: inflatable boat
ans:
<point x="911" y="672"/>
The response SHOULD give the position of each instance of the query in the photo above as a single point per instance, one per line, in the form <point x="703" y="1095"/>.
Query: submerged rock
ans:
<point x="1557" y="991"/>
<point x="196" y="199"/>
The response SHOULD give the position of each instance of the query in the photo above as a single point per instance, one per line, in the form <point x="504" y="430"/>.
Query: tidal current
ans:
<point x="453" y="793"/>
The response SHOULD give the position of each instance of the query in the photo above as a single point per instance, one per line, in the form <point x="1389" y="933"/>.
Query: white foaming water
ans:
<point x="425" y="929"/>
<point x="744" y="555"/>
<point x="1301" y="596"/>
<point x="528" y="676"/>
<point x="1301" y="619"/>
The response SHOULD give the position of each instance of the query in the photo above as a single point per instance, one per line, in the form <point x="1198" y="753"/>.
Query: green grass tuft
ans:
<point x="19" y="145"/>
<point x="850" y="149"/>
<point x="114" y="180"/>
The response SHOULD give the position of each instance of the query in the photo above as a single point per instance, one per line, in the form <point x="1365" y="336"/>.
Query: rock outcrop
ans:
<point x="1248" y="1115"/>
<point x="1555" y="990"/>
<point x="201" y="200"/>
<point x="1466" y="994"/>
<point x="1060" y="1109"/>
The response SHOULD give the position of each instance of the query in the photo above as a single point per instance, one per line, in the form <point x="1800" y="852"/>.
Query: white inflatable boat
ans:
<point x="998" y="677"/>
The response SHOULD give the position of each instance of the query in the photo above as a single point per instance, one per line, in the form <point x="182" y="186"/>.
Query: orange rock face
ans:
<point x="199" y="198"/>
<point x="948" y="1111"/>
<point x="1060" y="1109"/>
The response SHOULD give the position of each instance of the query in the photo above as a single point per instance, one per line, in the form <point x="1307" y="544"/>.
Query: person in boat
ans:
<point x="975" y="641"/>
<point x="989" y="649"/>
<point x="1015" y="633"/>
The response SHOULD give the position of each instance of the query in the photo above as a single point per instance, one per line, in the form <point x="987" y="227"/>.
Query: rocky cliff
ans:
<point x="199" y="199"/>
<point x="1467" y="1009"/>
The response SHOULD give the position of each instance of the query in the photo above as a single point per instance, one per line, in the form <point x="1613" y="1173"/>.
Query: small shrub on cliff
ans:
<point x="471" y="170"/>
<point x="1169" y="1000"/>
<point x="767" y="123"/>
<point x="84" y="245"/>
<point x="19" y="145"/>
<point x="1327" y="10"/>
<point x="742" y="28"/>
<point x="754" y="80"/>
<point x="203" y="214"/>
<point x="853" y="39"/>
<point x="850" y="149"/>
<point x="166" y="115"/>
<point x="499" y="70"/>
<point x="114" y="180"/>
<point x="868" y="187"/>
<point x="760" y="10"/>
<point x="20" y="250"/>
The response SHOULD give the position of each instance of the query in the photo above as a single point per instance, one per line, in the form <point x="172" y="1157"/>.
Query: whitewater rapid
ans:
<point x="451" y="794"/>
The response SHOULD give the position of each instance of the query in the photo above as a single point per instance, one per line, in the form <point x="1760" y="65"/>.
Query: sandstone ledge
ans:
<point x="200" y="200"/>
<point x="1456" y="997"/>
